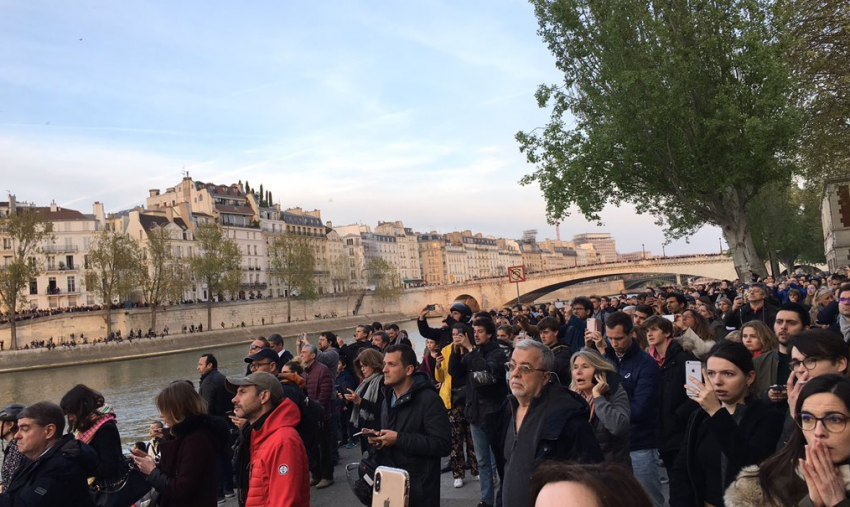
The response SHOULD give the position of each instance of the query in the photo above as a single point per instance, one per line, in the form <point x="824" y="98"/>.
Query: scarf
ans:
<point x="103" y="415"/>
<point x="589" y="398"/>
<point x="368" y="390"/>
<point x="844" y="325"/>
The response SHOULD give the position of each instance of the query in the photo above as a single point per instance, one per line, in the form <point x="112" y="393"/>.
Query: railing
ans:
<point x="62" y="267"/>
<point x="60" y="248"/>
<point x="56" y="291"/>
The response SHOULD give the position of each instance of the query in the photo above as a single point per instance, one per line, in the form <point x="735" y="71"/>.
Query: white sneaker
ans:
<point x="458" y="483"/>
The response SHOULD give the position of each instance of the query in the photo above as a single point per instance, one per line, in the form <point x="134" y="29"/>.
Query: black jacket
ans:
<point x="424" y="436"/>
<point x="486" y="388"/>
<point x="106" y="443"/>
<point x="767" y="314"/>
<point x="187" y="470"/>
<point x="746" y="443"/>
<point x="218" y="398"/>
<point x="563" y="353"/>
<point x="349" y="352"/>
<point x="443" y="335"/>
<point x="59" y="477"/>
<point x="676" y="405"/>
<point x="555" y="427"/>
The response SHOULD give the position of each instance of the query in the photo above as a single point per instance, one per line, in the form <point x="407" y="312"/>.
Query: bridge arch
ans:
<point x="470" y="301"/>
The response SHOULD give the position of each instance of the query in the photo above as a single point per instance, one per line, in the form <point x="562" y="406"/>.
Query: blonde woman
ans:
<point x="758" y="338"/>
<point x="595" y="379"/>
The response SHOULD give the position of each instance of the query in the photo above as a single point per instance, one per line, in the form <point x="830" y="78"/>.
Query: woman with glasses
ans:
<point x="758" y="338"/>
<point x="598" y="383"/>
<point x="812" y="468"/>
<point x="731" y="431"/>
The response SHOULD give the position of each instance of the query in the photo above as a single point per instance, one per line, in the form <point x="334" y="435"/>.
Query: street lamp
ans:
<point x="643" y="249"/>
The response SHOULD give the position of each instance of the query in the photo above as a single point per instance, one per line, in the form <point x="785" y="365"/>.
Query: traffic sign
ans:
<point x="516" y="274"/>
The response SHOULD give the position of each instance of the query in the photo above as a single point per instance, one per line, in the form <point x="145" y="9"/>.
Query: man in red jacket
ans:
<point x="273" y="467"/>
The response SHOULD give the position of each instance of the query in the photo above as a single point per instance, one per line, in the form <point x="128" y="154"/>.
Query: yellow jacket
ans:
<point x="441" y="374"/>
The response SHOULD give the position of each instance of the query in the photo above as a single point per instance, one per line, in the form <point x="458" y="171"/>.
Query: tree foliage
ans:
<point x="384" y="276"/>
<point x="26" y="230"/>
<point x="216" y="264"/>
<point x="684" y="109"/>
<point x="819" y="56"/>
<point x="291" y="260"/>
<point x="163" y="276"/>
<point x="787" y="221"/>
<point x="115" y="262"/>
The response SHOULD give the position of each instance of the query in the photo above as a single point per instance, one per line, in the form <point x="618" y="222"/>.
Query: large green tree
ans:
<point x="786" y="220"/>
<point x="24" y="231"/>
<point x="163" y="276"/>
<point x="685" y="109"/>
<point x="216" y="264"/>
<point x="115" y="262"/>
<point x="819" y="55"/>
<point x="384" y="277"/>
<point x="291" y="260"/>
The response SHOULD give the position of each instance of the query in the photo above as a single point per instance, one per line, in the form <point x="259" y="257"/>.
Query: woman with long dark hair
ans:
<point x="92" y="421"/>
<point x="812" y="468"/>
<point x="731" y="431"/>
<point x="186" y="473"/>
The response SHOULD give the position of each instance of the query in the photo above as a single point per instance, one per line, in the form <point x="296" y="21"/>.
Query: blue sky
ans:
<point x="368" y="110"/>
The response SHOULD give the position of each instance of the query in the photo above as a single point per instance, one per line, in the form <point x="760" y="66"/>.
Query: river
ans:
<point x="130" y="386"/>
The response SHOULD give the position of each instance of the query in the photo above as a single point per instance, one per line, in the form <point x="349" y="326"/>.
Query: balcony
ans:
<point x="60" y="248"/>
<point x="254" y="286"/>
<point x="62" y="268"/>
<point x="56" y="292"/>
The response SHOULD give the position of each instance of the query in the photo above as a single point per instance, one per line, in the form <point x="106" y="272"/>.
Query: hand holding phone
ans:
<point x="592" y="325"/>
<point x="693" y="369"/>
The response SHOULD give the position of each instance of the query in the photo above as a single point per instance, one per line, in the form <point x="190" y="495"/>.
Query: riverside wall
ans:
<point x="22" y="360"/>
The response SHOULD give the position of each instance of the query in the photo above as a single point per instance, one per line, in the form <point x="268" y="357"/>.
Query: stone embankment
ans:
<point x="22" y="360"/>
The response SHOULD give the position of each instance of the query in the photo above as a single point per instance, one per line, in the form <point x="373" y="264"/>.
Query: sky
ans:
<point x="367" y="110"/>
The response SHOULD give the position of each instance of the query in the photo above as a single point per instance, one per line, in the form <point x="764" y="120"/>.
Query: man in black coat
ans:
<point x="541" y="420"/>
<point x="219" y="403"/>
<point x="57" y="466"/>
<point x="416" y="431"/>
<point x="459" y="312"/>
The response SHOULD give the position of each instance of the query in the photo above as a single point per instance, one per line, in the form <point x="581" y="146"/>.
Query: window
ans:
<point x="7" y="243"/>
<point x="69" y="261"/>
<point x="33" y="287"/>
<point x="51" y="262"/>
<point x="71" y="284"/>
<point x="86" y="262"/>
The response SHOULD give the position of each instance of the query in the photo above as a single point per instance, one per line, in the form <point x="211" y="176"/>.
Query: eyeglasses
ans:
<point x="844" y="301"/>
<point x="255" y="346"/>
<point x="809" y="363"/>
<point x="255" y="366"/>
<point x="524" y="369"/>
<point x="834" y="423"/>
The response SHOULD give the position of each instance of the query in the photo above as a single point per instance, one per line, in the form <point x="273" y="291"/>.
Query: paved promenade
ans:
<point x="340" y="493"/>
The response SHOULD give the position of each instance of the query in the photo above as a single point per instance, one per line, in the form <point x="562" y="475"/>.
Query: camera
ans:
<point x="377" y="482"/>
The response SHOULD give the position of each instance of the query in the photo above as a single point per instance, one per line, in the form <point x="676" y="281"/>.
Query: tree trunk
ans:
<point x="13" y="329"/>
<point x="153" y="318"/>
<point x="288" y="307"/>
<point x="736" y="230"/>
<point x="107" y="311"/>
<point x="209" y="312"/>
<point x="789" y="262"/>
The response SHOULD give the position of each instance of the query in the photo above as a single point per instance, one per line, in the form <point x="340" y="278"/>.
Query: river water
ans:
<point x="130" y="386"/>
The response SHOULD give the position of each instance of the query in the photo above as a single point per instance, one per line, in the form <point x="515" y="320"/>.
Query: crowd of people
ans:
<point x="730" y="394"/>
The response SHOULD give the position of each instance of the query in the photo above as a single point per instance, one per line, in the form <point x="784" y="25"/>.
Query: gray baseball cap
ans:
<point x="261" y="379"/>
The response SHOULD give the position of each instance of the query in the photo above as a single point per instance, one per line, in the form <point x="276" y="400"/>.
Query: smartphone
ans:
<point x="230" y="413"/>
<point x="671" y="318"/>
<point x="779" y="387"/>
<point x="559" y="304"/>
<point x="592" y="325"/>
<point x="593" y="380"/>
<point x="391" y="487"/>
<point x="431" y="308"/>
<point x="692" y="369"/>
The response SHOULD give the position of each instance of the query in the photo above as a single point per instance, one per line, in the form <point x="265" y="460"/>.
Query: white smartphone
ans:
<point x="592" y="325"/>
<point x="693" y="369"/>
<point x="671" y="318"/>
<point x="391" y="488"/>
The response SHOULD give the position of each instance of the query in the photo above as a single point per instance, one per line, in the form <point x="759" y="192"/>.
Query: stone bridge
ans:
<point x="494" y="292"/>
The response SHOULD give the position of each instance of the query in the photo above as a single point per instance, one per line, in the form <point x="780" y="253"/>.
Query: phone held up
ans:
<point x="693" y="369"/>
<point x="592" y="325"/>
<point x="431" y="308"/>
